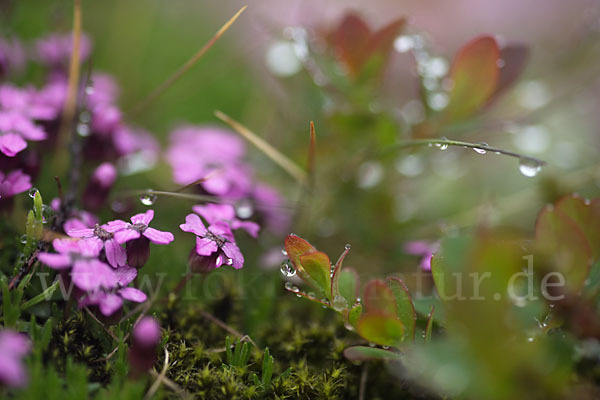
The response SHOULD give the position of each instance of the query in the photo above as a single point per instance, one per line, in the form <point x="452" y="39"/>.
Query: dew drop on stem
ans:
<point x="148" y="199"/>
<point x="480" y="150"/>
<point x="529" y="167"/>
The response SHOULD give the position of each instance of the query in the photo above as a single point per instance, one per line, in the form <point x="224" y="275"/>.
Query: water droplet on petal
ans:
<point x="32" y="192"/>
<point x="287" y="269"/>
<point x="529" y="166"/>
<point x="148" y="199"/>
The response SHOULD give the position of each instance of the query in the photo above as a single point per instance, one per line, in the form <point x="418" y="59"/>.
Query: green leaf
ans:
<point x="405" y="307"/>
<point x="318" y="268"/>
<point x="563" y="246"/>
<point x="380" y="299"/>
<point x="474" y="74"/>
<point x="46" y="294"/>
<point x="267" y="367"/>
<point x="348" y="284"/>
<point x="381" y="329"/>
<point x="337" y="272"/>
<point x="429" y="327"/>
<point x="354" y="314"/>
<point x="364" y="353"/>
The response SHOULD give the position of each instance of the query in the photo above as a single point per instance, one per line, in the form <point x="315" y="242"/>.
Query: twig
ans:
<point x="185" y="67"/>
<point x="279" y="158"/>
<point x="91" y="314"/>
<point x="159" y="378"/>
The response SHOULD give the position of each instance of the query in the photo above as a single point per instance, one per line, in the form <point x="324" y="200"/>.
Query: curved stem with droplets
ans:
<point x="481" y="148"/>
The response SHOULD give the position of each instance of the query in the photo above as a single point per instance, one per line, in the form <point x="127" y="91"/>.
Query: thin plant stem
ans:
<point x="275" y="155"/>
<point x="185" y="67"/>
<point x="152" y="391"/>
<point x="475" y="146"/>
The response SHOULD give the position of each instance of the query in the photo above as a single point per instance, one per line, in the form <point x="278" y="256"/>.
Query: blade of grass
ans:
<point x="310" y="162"/>
<point x="279" y="158"/>
<point x="185" y="67"/>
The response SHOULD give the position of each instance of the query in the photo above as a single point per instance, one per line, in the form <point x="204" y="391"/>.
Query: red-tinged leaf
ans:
<point x="364" y="353"/>
<point x="318" y="267"/>
<point x="474" y="74"/>
<point x="351" y="39"/>
<point x="514" y="58"/>
<point x="295" y="246"/>
<point x="380" y="299"/>
<point x="335" y="290"/>
<point x="586" y="215"/>
<point x="356" y="44"/>
<point x="429" y="327"/>
<point x="380" y="329"/>
<point x="406" y="309"/>
<point x="563" y="247"/>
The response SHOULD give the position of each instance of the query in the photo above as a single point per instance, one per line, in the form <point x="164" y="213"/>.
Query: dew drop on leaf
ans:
<point x="287" y="269"/>
<point x="32" y="192"/>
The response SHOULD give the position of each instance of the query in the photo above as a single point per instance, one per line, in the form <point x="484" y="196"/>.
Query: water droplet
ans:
<point x="287" y="269"/>
<point x="229" y="261"/>
<point x="85" y="117"/>
<point x="438" y="101"/>
<point x="529" y="166"/>
<point x="32" y="192"/>
<point x="284" y="252"/>
<point x="47" y="213"/>
<point x="311" y="295"/>
<point x="148" y="199"/>
<point x="23" y="239"/>
<point x="530" y="339"/>
<point x="348" y="246"/>
<point x="83" y="130"/>
<point x="288" y="285"/>
<point x="339" y="303"/>
<point x="295" y="289"/>
<point x="348" y="326"/>
<point x="244" y="209"/>
<point x="404" y="43"/>
<point x="479" y="150"/>
<point x="89" y="90"/>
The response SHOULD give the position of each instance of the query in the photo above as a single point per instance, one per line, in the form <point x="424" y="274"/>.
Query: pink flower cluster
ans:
<point x="97" y="264"/>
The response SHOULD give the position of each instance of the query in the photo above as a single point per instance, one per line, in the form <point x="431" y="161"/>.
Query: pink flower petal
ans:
<point x="215" y="212"/>
<point x="133" y="294"/>
<point x="205" y="247"/>
<point x="126" y="235"/>
<point x="251" y="227"/>
<point x="11" y="144"/>
<point x="55" y="261"/>
<point x="115" y="226"/>
<point x="90" y="247"/>
<point x="233" y="252"/>
<point x="110" y="304"/>
<point x="158" y="237"/>
<point x="115" y="254"/>
<point x="143" y="218"/>
<point x="83" y="233"/>
<point x="125" y="275"/>
<point x="193" y="224"/>
<point x="91" y="275"/>
<point x="66" y="245"/>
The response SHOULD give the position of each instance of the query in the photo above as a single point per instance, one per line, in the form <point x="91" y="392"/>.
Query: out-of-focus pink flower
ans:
<point x="12" y="56"/>
<point x="212" y="154"/>
<point x="215" y="243"/>
<point x="138" y="236"/>
<point x="80" y="257"/>
<point x="424" y="249"/>
<point x="213" y="213"/>
<point x="97" y="191"/>
<point x="13" y="347"/>
<point x="13" y="183"/>
<point x="145" y="338"/>
<point x="271" y="207"/>
<point x="111" y="301"/>
<point x="55" y="50"/>
<point x="79" y="219"/>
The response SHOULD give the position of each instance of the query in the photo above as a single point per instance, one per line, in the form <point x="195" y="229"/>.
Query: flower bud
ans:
<point x="145" y="338"/>
<point x="202" y="264"/>
<point x="96" y="192"/>
<point x="138" y="252"/>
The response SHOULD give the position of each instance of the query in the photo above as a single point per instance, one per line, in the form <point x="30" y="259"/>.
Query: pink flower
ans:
<point x="80" y="257"/>
<point x="110" y="301"/>
<point x="98" y="188"/>
<point x="215" y="243"/>
<point x="78" y="219"/>
<point x="213" y="213"/>
<point x="13" y="183"/>
<point x="138" y="236"/>
<point x="213" y="154"/>
<point x="102" y="236"/>
<point x="424" y="249"/>
<point x="55" y="50"/>
<point x="142" y="353"/>
<point x="13" y="347"/>
<point x="271" y="207"/>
